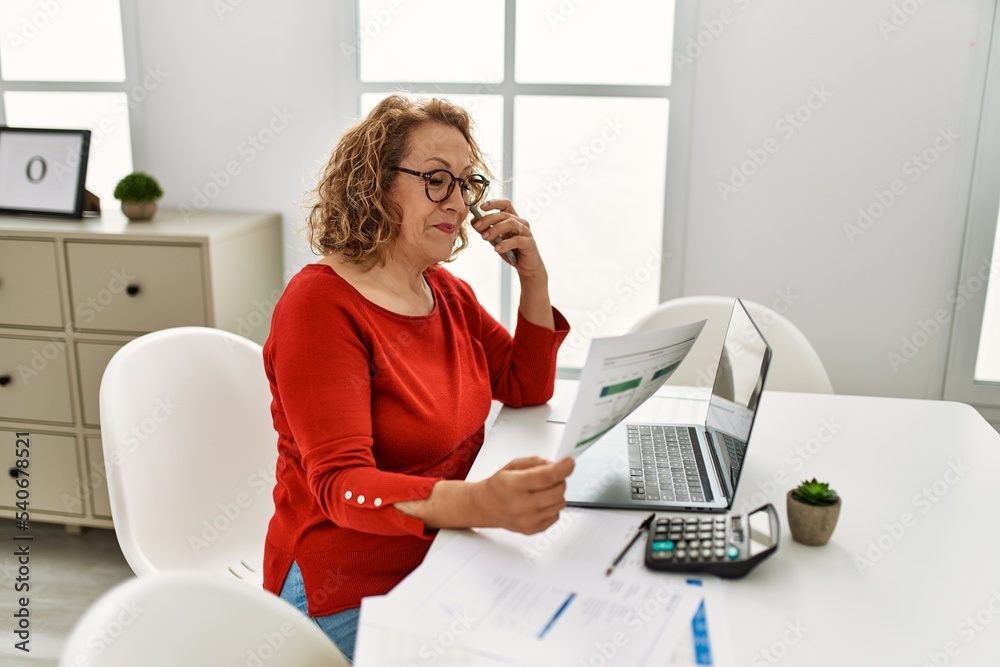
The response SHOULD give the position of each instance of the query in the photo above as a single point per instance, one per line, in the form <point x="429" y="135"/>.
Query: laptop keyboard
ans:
<point x="736" y="449"/>
<point x="665" y="464"/>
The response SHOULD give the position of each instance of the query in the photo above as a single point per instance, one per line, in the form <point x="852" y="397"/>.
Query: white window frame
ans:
<point x="980" y="235"/>
<point x="679" y="93"/>
<point x="133" y="80"/>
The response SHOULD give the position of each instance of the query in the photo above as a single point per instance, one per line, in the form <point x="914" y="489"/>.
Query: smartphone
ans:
<point x="511" y="255"/>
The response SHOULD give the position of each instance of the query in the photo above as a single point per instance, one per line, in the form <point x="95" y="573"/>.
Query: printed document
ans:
<point x="620" y="374"/>
<point x="495" y="597"/>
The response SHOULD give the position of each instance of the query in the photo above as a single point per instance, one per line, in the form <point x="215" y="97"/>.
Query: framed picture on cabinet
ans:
<point x="42" y="171"/>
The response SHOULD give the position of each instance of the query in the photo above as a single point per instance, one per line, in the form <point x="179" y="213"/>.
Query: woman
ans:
<point x="382" y="366"/>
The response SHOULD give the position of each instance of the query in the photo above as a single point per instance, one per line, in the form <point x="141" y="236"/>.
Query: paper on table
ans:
<point x="518" y="599"/>
<point x="382" y="642"/>
<point x="621" y="373"/>
<point x="707" y="641"/>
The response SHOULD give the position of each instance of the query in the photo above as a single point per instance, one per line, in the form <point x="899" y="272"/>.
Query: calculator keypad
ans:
<point x="693" y="539"/>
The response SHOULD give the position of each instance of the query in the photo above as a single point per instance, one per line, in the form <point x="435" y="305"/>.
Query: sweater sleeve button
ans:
<point x="361" y="500"/>
<point x="378" y="502"/>
<point x="348" y="495"/>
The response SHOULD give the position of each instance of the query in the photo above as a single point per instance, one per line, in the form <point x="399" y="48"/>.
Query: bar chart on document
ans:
<point x="619" y="399"/>
<point x="620" y="374"/>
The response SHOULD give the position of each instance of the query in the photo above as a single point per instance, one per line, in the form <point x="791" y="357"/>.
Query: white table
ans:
<point x="912" y="573"/>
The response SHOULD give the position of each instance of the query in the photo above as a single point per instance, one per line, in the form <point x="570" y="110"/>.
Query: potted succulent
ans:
<point x="813" y="508"/>
<point x="138" y="193"/>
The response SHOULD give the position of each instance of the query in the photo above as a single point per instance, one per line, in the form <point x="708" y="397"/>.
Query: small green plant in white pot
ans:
<point x="138" y="193"/>
<point x="813" y="510"/>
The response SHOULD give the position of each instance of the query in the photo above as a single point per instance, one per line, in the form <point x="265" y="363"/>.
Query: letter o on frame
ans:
<point x="30" y="169"/>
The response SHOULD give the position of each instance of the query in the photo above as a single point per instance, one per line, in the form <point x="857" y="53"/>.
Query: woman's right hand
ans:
<point x="525" y="496"/>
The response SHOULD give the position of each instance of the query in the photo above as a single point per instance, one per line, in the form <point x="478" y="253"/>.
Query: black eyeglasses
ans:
<point x="440" y="183"/>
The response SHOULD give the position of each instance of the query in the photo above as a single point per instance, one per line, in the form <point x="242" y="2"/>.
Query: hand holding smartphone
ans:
<point x="511" y="255"/>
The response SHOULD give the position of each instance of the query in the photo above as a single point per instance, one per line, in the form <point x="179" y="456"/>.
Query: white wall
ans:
<point x="782" y="232"/>
<point x="857" y="292"/>
<point x="240" y="72"/>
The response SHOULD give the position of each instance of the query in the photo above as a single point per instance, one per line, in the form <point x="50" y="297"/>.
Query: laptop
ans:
<point x="687" y="467"/>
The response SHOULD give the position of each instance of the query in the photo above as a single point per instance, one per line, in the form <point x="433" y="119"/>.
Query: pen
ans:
<point x="642" y="528"/>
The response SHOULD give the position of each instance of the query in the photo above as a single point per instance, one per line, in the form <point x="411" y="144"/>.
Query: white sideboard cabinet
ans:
<point x="72" y="293"/>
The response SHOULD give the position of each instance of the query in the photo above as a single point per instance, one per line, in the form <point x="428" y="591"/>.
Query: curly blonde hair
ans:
<point x="351" y="212"/>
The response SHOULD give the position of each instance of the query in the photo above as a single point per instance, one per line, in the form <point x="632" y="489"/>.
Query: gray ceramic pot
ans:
<point x="811" y="524"/>
<point x="139" y="210"/>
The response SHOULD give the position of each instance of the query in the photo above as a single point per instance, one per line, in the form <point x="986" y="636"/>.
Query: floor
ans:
<point x="66" y="574"/>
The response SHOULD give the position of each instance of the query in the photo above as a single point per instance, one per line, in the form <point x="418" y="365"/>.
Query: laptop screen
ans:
<point x="738" y="384"/>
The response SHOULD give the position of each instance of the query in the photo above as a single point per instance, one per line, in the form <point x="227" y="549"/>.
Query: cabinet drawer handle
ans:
<point x="4" y="380"/>
<point x="132" y="289"/>
<point x="13" y="472"/>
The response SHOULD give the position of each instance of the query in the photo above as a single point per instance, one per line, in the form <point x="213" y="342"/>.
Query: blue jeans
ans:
<point x="341" y="628"/>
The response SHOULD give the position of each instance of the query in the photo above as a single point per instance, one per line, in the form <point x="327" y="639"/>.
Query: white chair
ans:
<point x="190" y="452"/>
<point x="795" y="365"/>
<point x="195" y="618"/>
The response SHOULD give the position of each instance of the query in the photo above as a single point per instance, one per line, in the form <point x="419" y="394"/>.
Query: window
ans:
<point x="573" y="102"/>
<point x="973" y="368"/>
<point x="63" y="65"/>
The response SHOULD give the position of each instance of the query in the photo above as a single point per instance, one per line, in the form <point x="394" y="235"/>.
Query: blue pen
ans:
<point x="552" y="621"/>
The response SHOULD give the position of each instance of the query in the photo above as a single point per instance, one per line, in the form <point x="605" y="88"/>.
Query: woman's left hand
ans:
<point x="500" y="220"/>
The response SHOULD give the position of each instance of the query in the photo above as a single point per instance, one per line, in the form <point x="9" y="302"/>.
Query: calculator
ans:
<point x="727" y="546"/>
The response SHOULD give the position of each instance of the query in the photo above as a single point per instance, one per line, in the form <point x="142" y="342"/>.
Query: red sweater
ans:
<point x="373" y="408"/>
